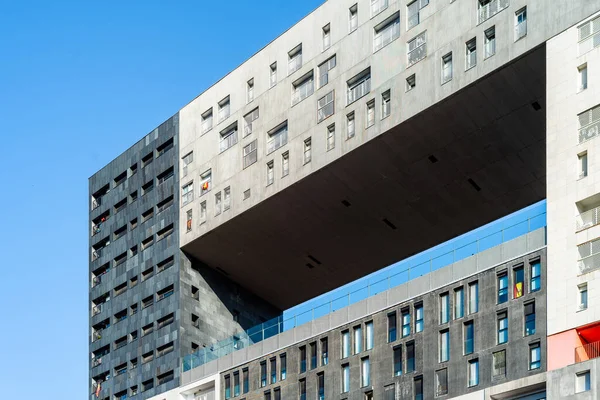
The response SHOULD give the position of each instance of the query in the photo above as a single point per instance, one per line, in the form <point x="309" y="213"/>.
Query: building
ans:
<point x="370" y="131"/>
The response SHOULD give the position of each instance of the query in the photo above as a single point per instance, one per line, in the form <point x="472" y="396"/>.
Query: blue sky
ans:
<point x="80" y="81"/>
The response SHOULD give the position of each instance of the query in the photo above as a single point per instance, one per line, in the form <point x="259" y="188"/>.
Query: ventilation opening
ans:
<point x="536" y="106"/>
<point x="433" y="159"/>
<point x="314" y="259"/>
<point x="388" y="223"/>
<point x="475" y="185"/>
<point x="346" y="203"/>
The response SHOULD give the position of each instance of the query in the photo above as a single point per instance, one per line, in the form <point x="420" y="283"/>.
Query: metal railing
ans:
<point x="587" y="352"/>
<point x="587" y="219"/>
<point x="490" y="9"/>
<point x="589" y="132"/>
<point x="520" y="30"/>
<point x="589" y="263"/>
<point x="359" y="90"/>
<point x="388" y="278"/>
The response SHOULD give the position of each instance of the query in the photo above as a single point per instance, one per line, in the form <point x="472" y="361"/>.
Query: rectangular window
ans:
<point x="411" y="82"/>
<point x="582" y="382"/>
<point x="273" y="74"/>
<point x="441" y="382"/>
<point x="518" y="282"/>
<point x="283" y="366"/>
<point x="224" y="109"/>
<point x="203" y="212"/>
<point x="359" y="86"/>
<point x="473" y="297"/>
<point x="358" y="339"/>
<point x="267" y="395"/>
<point x="469" y="338"/>
<point x="582" y="76"/>
<point x="499" y="363"/>
<point x="370" y="113"/>
<point x="313" y="355"/>
<point x="250" y="91"/>
<point x="307" y="155"/>
<point x="471" y="53"/>
<point x="324" y="69"/>
<point x="419" y="318"/>
<point x="331" y="137"/>
<point x="273" y="367"/>
<point x="444" y="308"/>
<point x="207" y="120"/>
<point x="345" y="378"/>
<point x="236" y="383"/>
<point x="386" y="104"/>
<point x="350" y="126"/>
<point x="397" y="360"/>
<point x="245" y="380"/>
<point x="285" y="164"/>
<point x="370" y="335"/>
<point x="249" y="120"/>
<point x="302" y="389"/>
<point x="392" y="327"/>
<point x="277" y="137"/>
<point x="345" y="344"/>
<point x="324" y="352"/>
<point x="205" y="182"/>
<point x="535" y="356"/>
<point x="263" y="373"/>
<point x="378" y="6"/>
<point x="444" y="346"/>
<point x="582" y="165"/>
<point x="459" y="301"/>
<point x="521" y="23"/>
<point x="529" y="318"/>
<point x="186" y="160"/>
<point x="228" y="137"/>
<point x="405" y="323"/>
<point x="353" y="18"/>
<point x="302" y="359"/>
<point x="583" y="297"/>
<point x="447" y="68"/>
<point x="321" y="386"/>
<point x="502" y="325"/>
<point x="365" y="372"/>
<point x="302" y="88"/>
<point x="226" y="198"/>
<point x="412" y="13"/>
<point x="217" y="203"/>
<point x="386" y="32"/>
<point x="326" y="37"/>
<point x="473" y="372"/>
<point x="418" y="388"/>
<point x="325" y="106"/>
<point x="410" y="357"/>
<point x="589" y="124"/>
<point x="270" y="173"/>
<point x="250" y="154"/>
<point x="389" y="392"/>
<point x="416" y="49"/>
<point x="295" y="59"/>
<point x="502" y="288"/>
<point x="489" y="41"/>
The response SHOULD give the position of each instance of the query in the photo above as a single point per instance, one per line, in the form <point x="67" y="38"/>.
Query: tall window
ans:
<point x="378" y="6"/>
<point x="582" y="165"/>
<point x="249" y="120"/>
<point x="412" y="12"/>
<point x="326" y="37"/>
<point x="370" y="113"/>
<point x="302" y="88"/>
<point x="405" y="323"/>
<point x="324" y="351"/>
<point x="350" y="125"/>
<point x="236" y="383"/>
<point x="224" y="109"/>
<point x="263" y="373"/>
<point x="353" y="18"/>
<point x="536" y="276"/>
<point x="324" y="69"/>
<point x="270" y="173"/>
<point x="473" y="372"/>
<point x="583" y="297"/>
<point x="418" y="388"/>
<point x="419" y="318"/>
<point x="471" y="53"/>
<point x="186" y="161"/>
<point x="295" y="59"/>
<point x="397" y="360"/>
<point x="582" y="382"/>
<point x="283" y="366"/>
<point x="345" y="378"/>
<point x="447" y="68"/>
<point x="459" y="301"/>
<point x="444" y="308"/>
<point x="313" y="355"/>
<point x="285" y="164"/>
<point x="207" y="120"/>
<point x="535" y="356"/>
<point x="187" y="193"/>
<point x="205" y="182"/>
<point x="386" y="104"/>
<point x="302" y="359"/>
<point x="392" y="327"/>
<point x="273" y="369"/>
<point x="302" y="389"/>
<point x="357" y="339"/>
<point x="226" y="198"/>
<point x="489" y="41"/>
<point x="228" y="137"/>
<point x="227" y="387"/>
<point x="321" y="386"/>
<point x="410" y="357"/>
<point x="416" y="49"/>
<point x="502" y="322"/>
<point x="444" y="346"/>
<point x="529" y="318"/>
<point x="386" y="32"/>
<point x="250" y="90"/>
<point x="521" y="23"/>
<point x="245" y="381"/>
<point x="277" y="137"/>
<point x="217" y="203"/>
<point x="441" y="382"/>
<point x="307" y="155"/>
<point x="518" y="282"/>
<point x="273" y="74"/>
<point x="473" y="297"/>
<point x="250" y="154"/>
<point x="365" y="372"/>
<point x="469" y="337"/>
<point x="203" y="212"/>
<point x="370" y="335"/>
<point x="499" y="363"/>
<point x="502" y="288"/>
<point x="325" y="107"/>
<point x="345" y="344"/>
<point x="582" y="76"/>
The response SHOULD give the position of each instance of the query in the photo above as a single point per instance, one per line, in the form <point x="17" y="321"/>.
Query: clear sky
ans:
<point x="80" y="82"/>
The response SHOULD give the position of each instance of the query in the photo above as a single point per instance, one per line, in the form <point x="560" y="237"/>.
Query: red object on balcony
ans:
<point x="205" y="186"/>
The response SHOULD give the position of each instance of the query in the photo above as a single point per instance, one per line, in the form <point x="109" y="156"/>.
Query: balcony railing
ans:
<point x="589" y="263"/>
<point x="490" y="9"/>
<point x="359" y="90"/>
<point x="587" y="219"/>
<point x="587" y="352"/>
<point x="589" y="132"/>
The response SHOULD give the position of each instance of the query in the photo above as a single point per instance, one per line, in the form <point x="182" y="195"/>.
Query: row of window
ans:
<point x="232" y="381"/>
<point x="406" y="322"/>
<point x="133" y="390"/>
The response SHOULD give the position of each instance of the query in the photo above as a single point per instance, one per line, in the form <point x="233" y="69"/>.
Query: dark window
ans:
<point x="529" y="319"/>
<point x="321" y="386"/>
<point x="245" y="380"/>
<point x="418" y="389"/>
<point x="502" y="288"/>
<point x="302" y="359"/>
<point x="398" y="361"/>
<point x="392" y="327"/>
<point x="410" y="357"/>
<point x="324" y="352"/>
<point x="518" y="282"/>
<point x="227" y="386"/>
<point x="313" y="355"/>
<point x="469" y="337"/>
<point x="273" y="362"/>
<point x="302" y="389"/>
<point x="283" y="366"/>
<point x="263" y="373"/>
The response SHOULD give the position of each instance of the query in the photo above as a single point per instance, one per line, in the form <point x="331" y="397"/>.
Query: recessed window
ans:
<point x="405" y="322"/>
<point x="397" y="361"/>
<point x="217" y="203"/>
<point x="147" y="302"/>
<point x="277" y="137"/>
<point x="386" y="104"/>
<point x="392" y="321"/>
<point x="411" y="82"/>
<point x="163" y="148"/>
<point x="518" y="282"/>
<point x="205" y="182"/>
<point x="529" y="318"/>
<point x="499" y="364"/>
<point x="120" y="179"/>
<point x="187" y="193"/>
<point x="444" y="345"/>
<point x="459" y="301"/>
<point x="325" y="106"/>
<point x="535" y="356"/>
<point x="471" y="53"/>
<point x="302" y="359"/>
<point x="250" y="154"/>
<point x="249" y="121"/>
<point x="226" y="198"/>
<point x="412" y="13"/>
<point x="447" y="68"/>
<point x="147" y="159"/>
<point x="250" y="90"/>
<point x="283" y="366"/>
<point x="186" y="161"/>
<point x="133" y="196"/>
<point x="350" y="125"/>
<point x="147" y="273"/>
<point x="273" y="368"/>
<point x="345" y="344"/>
<point x="365" y="372"/>
<point x="273" y="74"/>
<point x="502" y="288"/>
<point x="473" y="297"/>
<point x="502" y="327"/>
<point x="444" y="308"/>
<point x="521" y="23"/>
<point x="410" y="357"/>
<point x="148" y="384"/>
<point x="270" y="172"/>
<point x="164" y="293"/>
<point x="489" y="42"/>
<point x="120" y="205"/>
<point x="165" y="321"/>
<point x="331" y="137"/>
<point x="469" y="337"/>
<point x="418" y="388"/>
<point x="302" y="88"/>
<point x="441" y="382"/>
<point x="473" y="372"/>
<point x="149" y="241"/>
<point x="147" y="329"/>
<point x="419" y="317"/>
<point x="164" y="204"/>
<point x="164" y="378"/>
<point x="370" y="335"/>
<point x="582" y="165"/>
<point x="307" y="154"/>
<point x="324" y="69"/>
<point x="295" y="59"/>
<point x="228" y="137"/>
<point x="285" y="164"/>
<point x="207" y="120"/>
<point x="359" y="86"/>
<point x="582" y="77"/>
<point x="583" y="382"/>
<point x="353" y="18"/>
<point x="370" y="113"/>
<point x="583" y="297"/>
<point x="324" y="351"/>
<point x="358" y="339"/>
<point x="203" y="212"/>
<point x="386" y="32"/>
<point x="164" y="349"/>
<point x="416" y="49"/>
<point x="224" y="109"/>
<point x="326" y="37"/>
<point x="313" y="355"/>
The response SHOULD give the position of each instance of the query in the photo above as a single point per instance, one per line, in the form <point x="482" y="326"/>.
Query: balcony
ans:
<point x="589" y="263"/>
<point x="587" y="219"/>
<point x="587" y="352"/>
<point x="490" y="9"/>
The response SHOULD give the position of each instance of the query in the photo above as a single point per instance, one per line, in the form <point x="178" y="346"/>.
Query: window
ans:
<point x="416" y="49"/>
<point x="499" y="363"/>
<point x="473" y="372"/>
<point x="529" y="318"/>
<point x="419" y="318"/>
<point x="302" y="88"/>
<point x="277" y="137"/>
<point x="270" y="173"/>
<point x="205" y="179"/>
<point x="345" y="344"/>
<point x="489" y="41"/>
<point x="502" y="288"/>
<point x="521" y="23"/>
<point x="418" y="388"/>
<point x="325" y="107"/>
<point x="386" y="32"/>
<point x="582" y="164"/>
<point x="469" y="338"/>
<point x="226" y="198"/>
<point x="273" y="74"/>
<point x="359" y="86"/>
<point x="147" y="385"/>
<point x="203" y="212"/>
<point x="324" y="69"/>
<point x="248" y="120"/>
<point x="321" y="386"/>
<point x="164" y="321"/>
<point x="228" y="137"/>
<point x="224" y="109"/>
<point x="245" y="381"/>
<point x="324" y="352"/>
<point x="147" y="357"/>
<point x="302" y="359"/>
<point x="411" y="82"/>
<point x="473" y="297"/>
<point x="518" y="282"/>
<point x="207" y="120"/>
<point x="471" y="55"/>
<point x="250" y="154"/>
<point x="350" y="125"/>
<point x="589" y="122"/>
<point x="582" y="78"/>
<point x="412" y="13"/>
<point x="147" y="159"/>
<point x="187" y="193"/>
<point x="410" y="357"/>
<point x="444" y="308"/>
<point x="307" y="151"/>
<point x="386" y="105"/>
<point x="285" y="164"/>
<point x="392" y="327"/>
<point x="302" y="388"/>
<point x="389" y="392"/>
<point x="370" y="113"/>
<point x="217" y="203"/>
<point x="145" y="244"/>
<point x="246" y="194"/>
<point x="405" y="323"/>
<point x="313" y="355"/>
<point x="283" y="366"/>
<point x="263" y="373"/>
<point x="353" y="18"/>
<point x="357" y="339"/>
<point x="459" y="300"/>
<point x="330" y="137"/>
<point x="345" y="378"/>
<point x="365" y="372"/>
<point x="164" y="349"/>
<point x="370" y="335"/>
<point x="236" y="383"/>
<point x="326" y="37"/>
<point x="295" y="59"/>
<point x="273" y="367"/>
<point x="502" y="325"/>
<point x="582" y="382"/>
<point x="397" y="360"/>
<point x="444" y="346"/>
<point x="120" y="179"/>
<point x="250" y="91"/>
<point x="535" y="356"/>
<point x="164" y="293"/>
<point x="441" y="382"/>
<point x="378" y="6"/>
<point x="447" y="68"/>
<point x="583" y="297"/>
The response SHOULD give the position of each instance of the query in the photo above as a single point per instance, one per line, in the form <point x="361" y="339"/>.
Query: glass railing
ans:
<point x="462" y="247"/>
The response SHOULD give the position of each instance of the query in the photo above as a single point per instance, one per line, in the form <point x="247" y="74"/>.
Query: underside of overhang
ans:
<point x="468" y="160"/>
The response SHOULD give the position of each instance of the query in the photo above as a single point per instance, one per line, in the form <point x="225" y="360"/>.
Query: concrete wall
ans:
<point x="561" y="382"/>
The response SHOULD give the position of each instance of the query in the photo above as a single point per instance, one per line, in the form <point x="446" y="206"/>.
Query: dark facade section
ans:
<point x="487" y="331"/>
